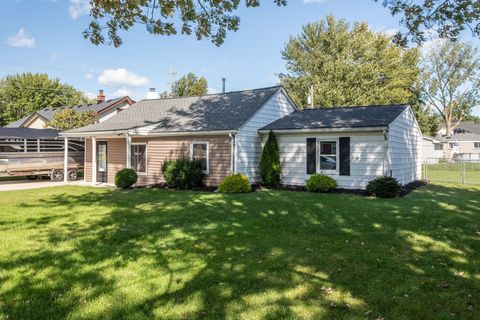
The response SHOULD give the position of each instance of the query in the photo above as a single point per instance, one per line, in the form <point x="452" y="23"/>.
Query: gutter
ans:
<point x="286" y="131"/>
<point x="186" y="133"/>
<point x="92" y="133"/>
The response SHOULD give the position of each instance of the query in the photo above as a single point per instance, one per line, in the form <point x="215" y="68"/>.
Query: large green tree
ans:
<point x="67" y="119"/>
<point x="214" y="19"/>
<point x="451" y="80"/>
<point x="348" y="65"/>
<point x="22" y="94"/>
<point x="190" y="85"/>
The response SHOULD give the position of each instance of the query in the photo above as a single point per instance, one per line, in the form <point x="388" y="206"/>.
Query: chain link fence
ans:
<point x="457" y="171"/>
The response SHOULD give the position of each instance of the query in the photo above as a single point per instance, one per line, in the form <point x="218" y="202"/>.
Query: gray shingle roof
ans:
<point x="214" y="112"/>
<point x="465" y="131"/>
<point x="336" y="118"/>
<point x="48" y="113"/>
<point x="28" y="133"/>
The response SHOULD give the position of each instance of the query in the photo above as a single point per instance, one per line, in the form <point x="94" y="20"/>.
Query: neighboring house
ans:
<point x="432" y="150"/>
<point x="104" y="109"/>
<point x="218" y="129"/>
<point x="352" y="145"/>
<point x="464" y="142"/>
<point x="226" y="131"/>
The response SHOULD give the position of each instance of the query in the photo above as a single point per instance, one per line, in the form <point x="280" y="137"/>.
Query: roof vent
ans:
<point x="152" y="93"/>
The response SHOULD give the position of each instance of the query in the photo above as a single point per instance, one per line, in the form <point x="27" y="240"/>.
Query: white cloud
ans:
<point x="22" y="39"/>
<point x="79" y="8"/>
<point x="314" y="1"/>
<point x="122" y="77"/>
<point x="121" y="92"/>
<point x="212" y="90"/>
<point x="90" y="95"/>
<point x="390" y="32"/>
<point x="206" y="70"/>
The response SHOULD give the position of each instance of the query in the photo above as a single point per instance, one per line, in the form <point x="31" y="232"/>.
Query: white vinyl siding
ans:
<point x="405" y="148"/>
<point x="249" y="147"/>
<point x="367" y="158"/>
<point x="112" y="112"/>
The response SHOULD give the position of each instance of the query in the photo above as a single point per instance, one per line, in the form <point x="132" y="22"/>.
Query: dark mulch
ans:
<point x="404" y="190"/>
<point x="409" y="187"/>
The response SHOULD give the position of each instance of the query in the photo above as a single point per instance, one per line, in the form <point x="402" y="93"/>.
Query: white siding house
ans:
<point x="432" y="150"/>
<point x="368" y="158"/>
<point x="248" y="141"/>
<point x="405" y="147"/>
<point x="352" y="145"/>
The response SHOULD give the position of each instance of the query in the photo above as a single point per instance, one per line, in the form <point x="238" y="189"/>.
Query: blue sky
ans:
<point x="45" y="36"/>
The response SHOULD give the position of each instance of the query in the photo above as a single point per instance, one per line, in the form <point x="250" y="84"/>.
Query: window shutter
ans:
<point x="344" y="156"/>
<point x="311" y="155"/>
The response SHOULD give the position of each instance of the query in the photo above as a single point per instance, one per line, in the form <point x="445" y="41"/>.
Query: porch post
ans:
<point x="129" y="150"/>
<point x="65" y="161"/>
<point x="94" y="161"/>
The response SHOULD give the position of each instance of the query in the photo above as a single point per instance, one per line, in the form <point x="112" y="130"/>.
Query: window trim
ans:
<point x="208" y="153"/>
<point x="146" y="157"/>
<point x="478" y="143"/>
<point x="337" y="155"/>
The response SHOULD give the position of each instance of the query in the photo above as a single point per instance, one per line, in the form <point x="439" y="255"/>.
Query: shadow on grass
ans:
<point x="266" y="255"/>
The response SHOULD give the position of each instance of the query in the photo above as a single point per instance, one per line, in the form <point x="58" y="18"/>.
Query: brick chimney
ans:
<point x="100" y="97"/>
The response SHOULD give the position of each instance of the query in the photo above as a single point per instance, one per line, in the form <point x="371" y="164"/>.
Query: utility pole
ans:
<point x="170" y="77"/>
<point x="223" y="85"/>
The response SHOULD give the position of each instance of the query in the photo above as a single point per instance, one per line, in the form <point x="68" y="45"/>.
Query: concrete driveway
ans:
<point x="27" y="184"/>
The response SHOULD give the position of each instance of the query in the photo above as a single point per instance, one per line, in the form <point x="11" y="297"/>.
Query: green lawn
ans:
<point x="452" y="172"/>
<point x="83" y="253"/>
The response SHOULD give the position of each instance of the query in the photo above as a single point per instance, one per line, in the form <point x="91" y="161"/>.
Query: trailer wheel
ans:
<point x="57" y="175"/>
<point x="72" y="175"/>
<point x="32" y="177"/>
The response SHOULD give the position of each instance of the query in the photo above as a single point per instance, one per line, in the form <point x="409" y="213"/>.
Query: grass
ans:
<point x="83" y="253"/>
<point x="452" y="172"/>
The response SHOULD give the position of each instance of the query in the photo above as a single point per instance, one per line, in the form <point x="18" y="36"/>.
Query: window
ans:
<point x="438" y="146"/>
<point x="139" y="158"/>
<point x="328" y="155"/>
<point x="199" y="151"/>
<point x="476" y="145"/>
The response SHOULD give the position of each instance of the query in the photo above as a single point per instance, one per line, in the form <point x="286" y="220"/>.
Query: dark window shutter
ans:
<point x="311" y="155"/>
<point x="345" y="156"/>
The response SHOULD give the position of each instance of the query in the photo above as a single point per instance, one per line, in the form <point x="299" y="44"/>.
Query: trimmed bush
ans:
<point x="384" y="187"/>
<point x="270" y="167"/>
<point x="320" y="183"/>
<point x="235" y="183"/>
<point x="125" y="178"/>
<point x="182" y="173"/>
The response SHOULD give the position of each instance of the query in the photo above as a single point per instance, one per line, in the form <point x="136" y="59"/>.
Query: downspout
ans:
<point x="386" y="159"/>
<point x="233" y="152"/>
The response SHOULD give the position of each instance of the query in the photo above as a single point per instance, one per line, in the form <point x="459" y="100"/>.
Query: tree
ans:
<point x="450" y="80"/>
<point x="270" y="167"/>
<point x="213" y="19"/>
<point x="205" y="18"/>
<point x="22" y="94"/>
<point x="190" y="85"/>
<point x="448" y="18"/>
<point x="348" y="65"/>
<point x="67" y="119"/>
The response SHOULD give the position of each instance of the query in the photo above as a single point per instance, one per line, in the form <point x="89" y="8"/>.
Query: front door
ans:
<point x="102" y="161"/>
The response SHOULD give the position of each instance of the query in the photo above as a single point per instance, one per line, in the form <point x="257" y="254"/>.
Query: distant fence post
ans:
<point x="463" y="171"/>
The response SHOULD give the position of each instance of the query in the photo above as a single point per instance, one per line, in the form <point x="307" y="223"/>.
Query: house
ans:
<point x="432" y="150"/>
<point x="464" y="143"/>
<point x="103" y="108"/>
<point x="226" y="132"/>
<point x="218" y="129"/>
<point x="353" y="145"/>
